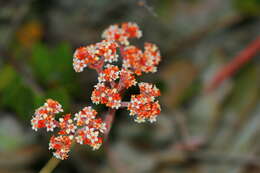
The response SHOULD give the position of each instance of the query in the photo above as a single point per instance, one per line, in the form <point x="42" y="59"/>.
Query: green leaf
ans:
<point x="62" y="58"/>
<point x="53" y="66"/>
<point x="250" y="7"/>
<point x="20" y="99"/>
<point x="42" y="63"/>
<point x="7" y="75"/>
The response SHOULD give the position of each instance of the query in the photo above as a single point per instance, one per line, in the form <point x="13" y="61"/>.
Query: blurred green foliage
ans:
<point x="165" y="8"/>
<point x="14" y="93"/>
<point x="52" y="66"/>
<point x="53" y="73"/>
<point x="246" y="80"/>
<point x="7" y="75"/>
<point x="250" y="7"/>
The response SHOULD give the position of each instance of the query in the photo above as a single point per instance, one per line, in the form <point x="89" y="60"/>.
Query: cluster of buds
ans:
<point x="144" y="105"/>
<point x="113" y="81"/>
<point x="84" y="128"/>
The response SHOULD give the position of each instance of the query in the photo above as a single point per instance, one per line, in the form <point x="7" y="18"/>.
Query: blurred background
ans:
<point x="198" y="131"/>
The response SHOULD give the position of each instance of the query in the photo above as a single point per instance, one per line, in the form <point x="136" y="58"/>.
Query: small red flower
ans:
<point x="143" y="105"/>
<point x="94" y="55"/>
<point x="109" y="74"/>
<point x="99" y="95"/>
<point x="84" y="56"/>
<point x="132" y="59"/>
<point x="44" y="116"/>
<point x="149" y="90"/>
<point x="140" y="61"/>
<point x="61" y="145"/>
<point x="132" y="30"/>
<point x="113" y="98"/>
<point x="127" y="78"/>
<point x="105" y="95"/>
<point x="108" y="50"/>
<point x="151" y="58"/>
<point x="121" y="34"/>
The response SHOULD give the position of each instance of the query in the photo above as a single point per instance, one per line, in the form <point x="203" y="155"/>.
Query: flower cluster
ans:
<point x="110" y="73"/>
<point x="144" y="105"/>
<point x="105" y="95"/>
<point x="140" y="61"/>
<point x="91" y="55"/>
<point x="122" y="33"/>
<point x="113" y="80"/>
<point x="84" y="128"/>
<point x="44" y="116"/>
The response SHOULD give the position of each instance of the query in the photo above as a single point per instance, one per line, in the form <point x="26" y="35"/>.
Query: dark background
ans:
<point x="197" y="131"/>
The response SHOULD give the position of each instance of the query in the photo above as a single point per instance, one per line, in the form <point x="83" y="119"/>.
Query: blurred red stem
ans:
<point x="124" y="104"/>
<point x="115" y="163"/>
<point x="241" y="59"/>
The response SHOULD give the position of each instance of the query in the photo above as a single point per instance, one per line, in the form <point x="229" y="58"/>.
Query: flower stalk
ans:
<point x="84" y="127"/>
<point x="50" y="165"/>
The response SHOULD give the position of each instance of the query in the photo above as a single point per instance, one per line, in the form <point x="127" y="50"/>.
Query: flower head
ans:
<point x="150" y="91"/>
<point x="151" y="57"/>
<point x="108" y="50"/>
<point x="127" y="78"/>
<point x="109" y="74"/>
<point x="84" y="56"/>
<point x="94" y="55"/>
<point x="143" y="109"/>
<point x="99" y="94"/>
<point x="122" y="33"/>
<point x="61" y="145"/>
<point x="139" y="61"/>
<point x="83" y="126"/>
<point x="84" y="116"/>
<point x="143" y="104"/>
<point x="105" y="95"/>
<point x="132" y="56"/>
<point x="67" y="125"/>
<point x="92" y="127"/>
<point x="44" y="116"/>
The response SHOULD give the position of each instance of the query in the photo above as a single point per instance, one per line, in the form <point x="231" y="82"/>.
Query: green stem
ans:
<point x="50" y="165"/>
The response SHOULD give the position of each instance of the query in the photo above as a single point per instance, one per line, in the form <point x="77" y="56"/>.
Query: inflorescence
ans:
<point x="84" y="127"/>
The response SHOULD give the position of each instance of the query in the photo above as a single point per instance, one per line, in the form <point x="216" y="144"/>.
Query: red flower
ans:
<point x="85" y="127"/>
<point x="143" y="105"/>
<point x="121" y="34"/>
<point x="109" y="74"/>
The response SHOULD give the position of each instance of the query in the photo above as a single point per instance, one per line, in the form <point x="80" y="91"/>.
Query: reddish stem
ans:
<point x="124" y="104"/>
<point x="232" y="67"/>
<point x="109" y="119"/>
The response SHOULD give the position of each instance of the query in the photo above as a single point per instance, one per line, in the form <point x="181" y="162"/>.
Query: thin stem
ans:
<point x="109" y="121"/>
<point x="124" y="104"/>
<point x="233" y="66"/>
<point x="50" y="165"/>
<point x="143" y="3"/>
<point x="115" y="163"/>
